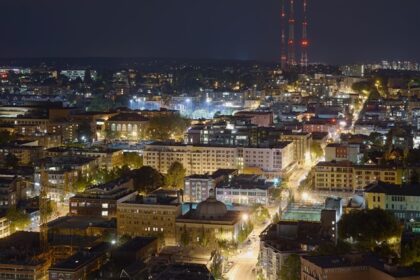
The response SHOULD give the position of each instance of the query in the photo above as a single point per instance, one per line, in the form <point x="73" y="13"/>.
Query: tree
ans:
<point x="163" y="128"/>
<point x="410" y="252"/>
<point x="50" y="207"/>
<point x="11" y="161"/>
<point x="185" y="236"/>
<point x="147" y="179"/>
<point x="290" y="269"/>
<point x="260" y="213"/>
<point x="316" y="151"/>
<point x="175" y="176"/>
<point x="276" y="218"/>
<point x="369" y="227"/>
<point x="276" y="193"/>
<point x="244" y="232"/>
<point x="84" y="132"/>
<point x="6" y="137"/>
<point x="133" y="160"/>
<point x="414" y="177"/>
<point x="216" y="266"/>
<point x="376" y="139"/>
<point x="81" y="184"/>
<point x="19" y="220"/>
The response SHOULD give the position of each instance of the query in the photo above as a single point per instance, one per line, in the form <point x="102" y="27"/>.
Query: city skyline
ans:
<point x="339" y="33"/>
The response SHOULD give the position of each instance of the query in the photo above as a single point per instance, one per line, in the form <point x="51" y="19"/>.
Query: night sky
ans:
<point x="340" y="31"/>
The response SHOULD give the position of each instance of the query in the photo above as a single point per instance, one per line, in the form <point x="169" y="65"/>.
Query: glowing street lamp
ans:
<point x="245" y="217"/>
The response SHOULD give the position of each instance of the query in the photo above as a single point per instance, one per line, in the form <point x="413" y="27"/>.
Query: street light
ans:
<point x="245" y="217"/>
<point x="305" y="196"/>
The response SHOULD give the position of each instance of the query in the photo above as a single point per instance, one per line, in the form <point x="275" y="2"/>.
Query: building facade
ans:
<point x="343" y="152"/>
<point x="346" y="176"/>
<point x="102" y="200"/>
<point x="403" y="201"/>
<point x="149" y="216"/>
<point x="197" y="187"/>
<point x="245" y="190"/>
<point x="272" y="161"/>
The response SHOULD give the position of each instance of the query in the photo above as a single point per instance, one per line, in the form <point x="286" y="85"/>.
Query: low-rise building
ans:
<point x="107" y="158"/>
<point x="22" y="257"/>
<point x="246" y="190"/>
<point x="278" y="241"/>
<point x="66" y="235"/>
<point x="209" y="223"/>
<point x="402" y="200"/>
<point x="102" y="200"/>
<point x="351" y="267"/>
<point x="343" y="152"/>
<point x="344" y="176"/>
<point x="58" y="175"/>
<point x="79" y="265"/>
<point x="126" y="126"/>
<point x="149" y="216"/>
<point x="259" y="118"/>
<point x="139" y="249"/>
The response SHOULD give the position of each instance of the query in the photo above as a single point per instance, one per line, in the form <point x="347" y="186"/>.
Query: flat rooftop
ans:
<point x="77" y="222"/>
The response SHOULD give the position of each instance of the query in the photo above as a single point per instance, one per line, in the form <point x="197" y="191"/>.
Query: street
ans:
<point x="245" y="262"/>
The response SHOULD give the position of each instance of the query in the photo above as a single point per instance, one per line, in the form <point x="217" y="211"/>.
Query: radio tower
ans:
<point x="304" y="43"/>
<point x="283" y="56"/>
<point x="291" y="61"/>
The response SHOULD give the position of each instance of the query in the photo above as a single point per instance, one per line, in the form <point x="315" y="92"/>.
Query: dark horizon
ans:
<point x="355" y="31"/>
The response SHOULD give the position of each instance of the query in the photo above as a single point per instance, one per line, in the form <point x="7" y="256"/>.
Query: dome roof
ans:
<point x="211" y="208"/>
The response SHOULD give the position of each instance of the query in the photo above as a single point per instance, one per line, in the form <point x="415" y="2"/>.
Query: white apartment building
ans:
<point x="271" y="161"/>
<point x="245" y="190"/>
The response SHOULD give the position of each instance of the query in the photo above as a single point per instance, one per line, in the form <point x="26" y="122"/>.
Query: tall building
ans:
<point x="197" y="187"/>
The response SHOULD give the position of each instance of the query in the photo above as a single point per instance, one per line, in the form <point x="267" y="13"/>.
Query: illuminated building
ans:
<point x="209" y="223"/>
<point x="348" y="177"/>
<point x="343" y="152"/>
<point x="149" y="216"/>
<point x="348" y="267"/>
<point x="272" y="161"/>
<point x="108" y="158"/>
<point x="245" y="190"/>
<point x="402" y="200"/>
<point x="128" y="126"/>
<point x="101" y="200"/>
<point x="4" y="227"/>
<point x="58" y="175"/>
<point x="22" y="257"/>
<point x="197" y="187"/>
<point x="79" y="265"/>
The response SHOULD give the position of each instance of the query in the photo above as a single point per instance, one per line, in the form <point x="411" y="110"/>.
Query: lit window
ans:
<point x="104" y="213"/>
<point x="105" y="205"/>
